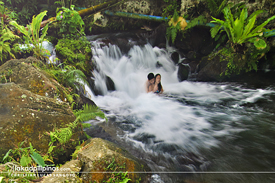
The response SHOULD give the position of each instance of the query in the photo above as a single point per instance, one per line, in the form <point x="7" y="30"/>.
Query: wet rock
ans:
<point x="23" y="73"/>
<point x="183" y="72"/>
<point x="158" y="65"/>
<point x="192" y="55"/>
<point x="158" y="37"/>
<point x="110" y="84"/>
<point x="211" y="70"/>
<point x="25" y="116"/>
<point x="97" y="154"/>
<point x="196" y="43"/>
<point x="175" y="57"/>
<point x="93" y="87"/>
<point x="32" y="103"/>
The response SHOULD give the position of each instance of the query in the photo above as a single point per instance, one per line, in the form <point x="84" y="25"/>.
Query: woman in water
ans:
<point x="158" y="87"/>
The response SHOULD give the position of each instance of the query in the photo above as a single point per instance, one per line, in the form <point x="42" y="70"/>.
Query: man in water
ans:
<point x="150" y="83"/>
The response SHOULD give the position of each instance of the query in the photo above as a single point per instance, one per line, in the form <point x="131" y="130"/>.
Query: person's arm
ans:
<point x="161" y="90"/>
<point x="147" y="87"/>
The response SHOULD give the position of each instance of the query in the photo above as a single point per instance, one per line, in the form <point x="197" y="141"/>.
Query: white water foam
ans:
<point x="165" y="118"/>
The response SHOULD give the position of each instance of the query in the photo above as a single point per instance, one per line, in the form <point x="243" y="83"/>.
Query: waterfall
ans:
<point x="193" y="126"/>
<point x="156" y="114"/>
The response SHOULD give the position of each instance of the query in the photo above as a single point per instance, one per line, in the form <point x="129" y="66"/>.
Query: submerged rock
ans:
<point x="211" y="69"/>
<point x="183" y="72"/>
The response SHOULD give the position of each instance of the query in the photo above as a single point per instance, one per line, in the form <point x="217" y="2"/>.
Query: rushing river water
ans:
<point x="223" y="131"/>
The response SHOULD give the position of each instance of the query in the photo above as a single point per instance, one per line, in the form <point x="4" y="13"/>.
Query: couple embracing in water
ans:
<point x="153" y="84"/>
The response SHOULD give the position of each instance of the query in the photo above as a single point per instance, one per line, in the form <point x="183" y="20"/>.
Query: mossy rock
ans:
<point x="32" y="103"/>
<point x="99" y="156"/>
<point x="23" y="73"/>
<point x="75" y="52"/>
<point x="25" y="116"/>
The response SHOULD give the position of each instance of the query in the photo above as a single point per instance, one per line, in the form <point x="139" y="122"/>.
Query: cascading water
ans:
<point x="193" y="126"/>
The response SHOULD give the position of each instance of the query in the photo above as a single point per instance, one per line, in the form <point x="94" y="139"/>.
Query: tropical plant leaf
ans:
<point x="258" y="28"/>
<point x="248" y="27"/>
<point x="260" y="44"/>
<point x="7" y="155"/>
<point x="25" y="161"/>
<point x="38" y="159"/>
<point x="214" y="30"/>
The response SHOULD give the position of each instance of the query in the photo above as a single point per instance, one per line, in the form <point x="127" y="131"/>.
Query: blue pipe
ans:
<point x="135" y="15"/>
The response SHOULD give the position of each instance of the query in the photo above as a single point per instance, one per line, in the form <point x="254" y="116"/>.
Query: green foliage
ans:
<point x="6" y="14"/>
<point x="216" y="6"/>
<point x="68" y="76"/>
<point x="243" y="29"/>
<point x="117" y="175"/>
<point x="26" y="156"/>
<point x="71" y="24"/>
<point x="63" y="135"/>
<point x="7" y="38"/>
<point x="172" y="30"/>
<point x="32" y="34"/>
<point x="196" y="21"/>
<point x="5" y="76"/>
<point x="237" y="62"/>
<point x="75" y="52"/>
<point x="89" y="112"/>
<point x="170" y="9"/>
<point x="24" y="8"/>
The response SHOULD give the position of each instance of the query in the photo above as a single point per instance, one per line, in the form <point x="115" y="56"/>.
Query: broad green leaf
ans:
<point x="239" y="24"/>
<point x="217" y="21"/>
<point x="262" y="25"/>
<point x="249" y="26"/>
<point x="22" y="29"/>
<point x="260" y="44"/>
<point x="31" y="148"/>
<point x="8" y="153"/>
<point x="238" y="30"/>
<point x="25" y="161"/>
<point x="38" y="159"/>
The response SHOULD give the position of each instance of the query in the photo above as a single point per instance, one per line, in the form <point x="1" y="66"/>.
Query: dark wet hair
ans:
<point x="150" y="76"/>
<point x="159" y="85"/>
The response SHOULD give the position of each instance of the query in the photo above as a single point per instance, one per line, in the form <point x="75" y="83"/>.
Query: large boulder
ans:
<point x="31" y="105"/>
<point x="25" y="116"/>
<point x="99" y="156"/>
<point x="25" y="73"/>
<point x="212" y="69"/>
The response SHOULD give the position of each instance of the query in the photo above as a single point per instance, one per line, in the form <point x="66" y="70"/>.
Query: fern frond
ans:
<point x="212" y="6"/>
<point x="214" y="30"/>
<point x="63" y="135"/>
<point x="89" y="112"/>
<point x="196" y="21"/>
